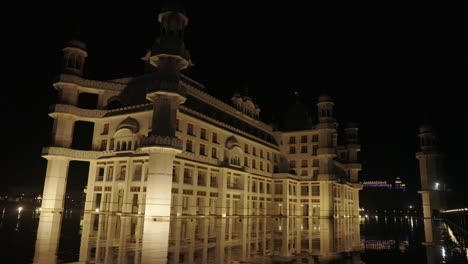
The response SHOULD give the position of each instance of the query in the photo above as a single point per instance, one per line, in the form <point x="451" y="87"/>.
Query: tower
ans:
<point x="74" y="56"/>
<point x="430" y="172"/>
<point x="353" y="147"/>
<point x="169" y="56"/>
<point x="326" y="153"/>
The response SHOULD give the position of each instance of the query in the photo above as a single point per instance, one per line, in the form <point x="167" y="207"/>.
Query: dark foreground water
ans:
<point x="30" y="236"/>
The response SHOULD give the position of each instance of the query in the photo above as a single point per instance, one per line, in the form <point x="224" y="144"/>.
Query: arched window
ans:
<point x="118" y="146"/>
<point x="124" y="146"/>
<point x="129" y="145"/>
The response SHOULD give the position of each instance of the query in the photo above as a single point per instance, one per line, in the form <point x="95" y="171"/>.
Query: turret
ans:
<point x="74" y="56"/>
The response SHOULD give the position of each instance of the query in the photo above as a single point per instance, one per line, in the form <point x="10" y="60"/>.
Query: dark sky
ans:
<point x="388" y="67"/>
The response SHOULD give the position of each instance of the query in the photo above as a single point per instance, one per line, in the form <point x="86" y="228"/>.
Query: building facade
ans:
<point x="164" y="147"/>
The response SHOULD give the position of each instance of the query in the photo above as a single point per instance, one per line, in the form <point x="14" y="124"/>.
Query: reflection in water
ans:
<point x="109" y="238"/>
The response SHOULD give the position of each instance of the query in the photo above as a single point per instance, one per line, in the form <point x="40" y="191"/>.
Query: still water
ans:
<point x="31" y="236"/>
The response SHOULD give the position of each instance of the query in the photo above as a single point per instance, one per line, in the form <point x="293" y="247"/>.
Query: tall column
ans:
<point x="62" y="130"/>
<point x="430" y="170"/>
<point x="55" y="183"/>
<point x="222" y="190"/>
<point x="48" y="237"/>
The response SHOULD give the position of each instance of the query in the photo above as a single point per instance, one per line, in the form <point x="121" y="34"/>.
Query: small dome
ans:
<point x="232" y="142"/>
<point x="129" y="123"/>
<point x="425" y="128"/>
<point x="76" y="43"/>
<point x="324" y="98"/>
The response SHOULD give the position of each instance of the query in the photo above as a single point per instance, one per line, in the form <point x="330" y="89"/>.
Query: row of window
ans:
<point x="304" y="163"/>
<point x="304" y="150"/>
<point x="107" y="173"/>
<point x="304" y="139"/>
<point x="315" y="189"/>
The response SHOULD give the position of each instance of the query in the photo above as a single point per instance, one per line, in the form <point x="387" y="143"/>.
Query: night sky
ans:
<point x="388" y="67"/>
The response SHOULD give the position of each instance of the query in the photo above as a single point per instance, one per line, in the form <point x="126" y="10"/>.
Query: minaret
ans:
<point x="169" y="55"/>
<point x="326" y="153"/>
<point x="74" y="56"/>
<point x="353" y="147"/>
<point x="430" y="172"/>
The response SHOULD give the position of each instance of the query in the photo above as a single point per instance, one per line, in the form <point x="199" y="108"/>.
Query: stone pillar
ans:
<point x="159" y="184"/>
<point x="62" y="130"/>
<point x="222" y="190"/>
<point x="326" y="199"/>
<point x="55" y="183"/>
<point x="155" y="242"/>
<point x="48" y="237"/>
<point x="85" y="234"/>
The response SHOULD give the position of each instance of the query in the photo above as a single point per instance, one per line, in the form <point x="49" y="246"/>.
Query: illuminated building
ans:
<point x="399" y="185"/>
<point x="162" y="146"/>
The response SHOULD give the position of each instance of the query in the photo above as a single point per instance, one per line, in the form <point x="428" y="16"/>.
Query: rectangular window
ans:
<point x="123" y="171"/>
<point x="202" y="178"/>
<point x="314" y="150"/>
<point x="254" y="151"/>
<point x="246" y="149"/>
<point x="175" y="177"/>
<point x="303" y="139"/>
<point x="188" y="176"/>
<point x="268" y="188"/>
<point x="214" y="153"/>
<point x="103" y="144"/>
<point x="304" y="164"/>
<point x="110" y="173"/>
<point x="111" y="145"/>
<point x="315" y="138"/>
<point x="213" y="180"/>
<point x="292" y="140"/>
<point x="268" y="155"/>
<point x="261" y="153"/>
<point x="254" y="165"/>
<point x="215" y="138"/>
<point x="137" y="173"/>
<point x="260" y="187"/>
<point x="105" y="129"/>
<point x="304" y="149"/>
<point x="315" y="190"/>
<point x="292" y="164"/>
<point x="268" y="167"/>
<point x="261" y="165"/>
<point x="190" y="130"/>
<point x="100" y="174"/>
<point x="188" y="146"/>
<point x="202" y="150"/>
<point x="304" y="190"/>
<point x="246" y="161"/>
<point x="304" y="173"/>
<point x="292" y="150"/>
<point x="203" y="133"/>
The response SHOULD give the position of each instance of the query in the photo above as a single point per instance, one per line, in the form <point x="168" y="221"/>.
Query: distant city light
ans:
<point x="20" y="209"/>
<point x="97" y="210"/>
<point x="436" y="185"/>
<point x="411" y="207"/>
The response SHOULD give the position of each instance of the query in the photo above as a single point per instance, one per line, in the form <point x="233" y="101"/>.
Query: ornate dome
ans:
<point x="131" y="124"/>
<point x="232" y="142"/>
